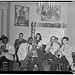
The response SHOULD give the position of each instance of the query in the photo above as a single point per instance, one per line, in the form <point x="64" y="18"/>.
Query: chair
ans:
<point x="48" y="62"/>
<point x="35" y="68"/>
<point x="5" y="66"/>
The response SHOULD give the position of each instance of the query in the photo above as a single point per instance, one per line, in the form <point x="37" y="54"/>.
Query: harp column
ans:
<point x="33" y="26"/>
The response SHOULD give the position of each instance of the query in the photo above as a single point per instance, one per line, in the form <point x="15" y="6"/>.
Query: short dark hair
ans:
<point x="39" y="35"/>
<point x="5" y="38"/>
<point x="21" y="33"/>
<point x="2" y="36"/>
<point x="67" y="39"/>
<point x="52" y="37"/>
<point x="56" y="38"/>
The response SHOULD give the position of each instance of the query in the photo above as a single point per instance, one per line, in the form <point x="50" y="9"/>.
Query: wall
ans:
<point x="15" y="30"/>
<point x="48" y="32"/>
<point x="3" y="6"/>
<point x="71" y="23"/>
<point x="36" y="17"/>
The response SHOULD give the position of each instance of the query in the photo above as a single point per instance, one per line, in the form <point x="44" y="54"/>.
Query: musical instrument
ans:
<point x="3" y="50"/>
<point x="25" y="62"/>
<point x="72" y="66"/>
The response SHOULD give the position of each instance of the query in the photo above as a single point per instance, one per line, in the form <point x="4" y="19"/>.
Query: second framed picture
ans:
<point x="21" y="15"/>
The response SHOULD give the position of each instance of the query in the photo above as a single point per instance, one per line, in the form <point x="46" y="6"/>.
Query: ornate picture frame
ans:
<point x="50" y="14"/>
<point x="21" y="15"/>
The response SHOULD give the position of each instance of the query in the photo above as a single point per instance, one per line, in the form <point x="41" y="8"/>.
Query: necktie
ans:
<point x="28" y="48"/>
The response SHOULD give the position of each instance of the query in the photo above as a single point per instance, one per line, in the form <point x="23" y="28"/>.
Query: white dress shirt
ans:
<point x="11" y="51"/>
<point x="48" y="45"/>
<point x="52" y="48"/>
<point x="22" y="51"/>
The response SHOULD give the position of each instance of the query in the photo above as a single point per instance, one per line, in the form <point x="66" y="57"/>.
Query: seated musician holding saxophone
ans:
<point x="23" y="51"/>
<point x="7" y="53"/>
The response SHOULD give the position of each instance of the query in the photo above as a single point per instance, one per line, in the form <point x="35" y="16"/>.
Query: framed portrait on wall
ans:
<point x="21" y="15"/>
<point x="50" y="13"/>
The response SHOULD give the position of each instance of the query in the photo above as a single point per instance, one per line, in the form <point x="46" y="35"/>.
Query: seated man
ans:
<point x="65" y="54"/>
<point x="7" y="53"/>
<point x="23" y="50"/>
<point x="50" y="49"/>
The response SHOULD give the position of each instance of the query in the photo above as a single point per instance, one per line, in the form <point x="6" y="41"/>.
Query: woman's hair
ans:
<point x="29" y="39"/>
<point x="40" y="37"/>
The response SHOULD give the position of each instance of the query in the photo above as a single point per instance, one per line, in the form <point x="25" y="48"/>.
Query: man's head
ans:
<point x="30" y="40"/>
<point x="5" y="40"/>
<point x="56" y="39"/>
<point x="3" y="36"/>
<point x="65" y="40"/>
<point x="21" y="36"/>
<point x="52" y="39"/>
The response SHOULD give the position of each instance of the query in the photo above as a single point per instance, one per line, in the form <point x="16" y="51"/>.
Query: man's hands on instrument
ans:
<point x="3" y="48"/>
<point x="59" y="53"/>
<point x="21" y="61"/>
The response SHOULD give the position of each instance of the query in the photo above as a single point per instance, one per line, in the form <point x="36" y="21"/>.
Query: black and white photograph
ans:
<point x="37" y="37"/>
<point x="21" y="15"/>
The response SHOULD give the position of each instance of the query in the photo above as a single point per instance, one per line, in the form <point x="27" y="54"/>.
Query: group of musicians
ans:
<point x="57" y="52"/>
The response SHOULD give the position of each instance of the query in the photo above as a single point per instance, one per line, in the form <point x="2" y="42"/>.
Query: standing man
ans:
<point x="18" y="42"/>
<point x="7" y="54"/>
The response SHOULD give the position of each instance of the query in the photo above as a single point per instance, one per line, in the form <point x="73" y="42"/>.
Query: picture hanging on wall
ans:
<point x="50" y="12"/>
<point x="21" y="15"/>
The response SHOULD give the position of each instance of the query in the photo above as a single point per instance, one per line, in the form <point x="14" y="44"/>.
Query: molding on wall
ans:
<point x="8" y="21"/>
<point x="2" y="23"/>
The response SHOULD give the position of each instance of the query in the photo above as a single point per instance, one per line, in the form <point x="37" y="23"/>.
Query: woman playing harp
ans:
<point x="37" y="53"/>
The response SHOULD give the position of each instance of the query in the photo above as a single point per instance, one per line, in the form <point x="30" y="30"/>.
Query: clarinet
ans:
<point x="25" y="63"/>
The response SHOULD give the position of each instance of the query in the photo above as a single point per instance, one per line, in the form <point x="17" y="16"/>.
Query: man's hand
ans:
<point x="21" y="61"/>
<point x="5" y="50"/>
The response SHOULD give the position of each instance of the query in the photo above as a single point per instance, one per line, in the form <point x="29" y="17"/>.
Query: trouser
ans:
<point x="64" y="62"/>
<point x="10" y="63"/>
<point x="48" y="56"/>
<point x="0" y="63"/>
<point x="35" y="61"/>
<point x="55" y="61"/>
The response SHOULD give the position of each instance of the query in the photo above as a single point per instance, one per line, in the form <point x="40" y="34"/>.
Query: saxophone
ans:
<point x="23" y="66"/>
